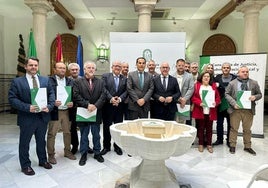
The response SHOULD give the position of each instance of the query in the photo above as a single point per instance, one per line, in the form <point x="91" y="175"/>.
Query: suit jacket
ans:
<point x="231" y="93"/>
<point x="82" y="95"/>
<point x="55" y="112"/>
<point x="19" y="97"/>
<point x="172" y="90"/>
<point x="187" y="86"/>
<point x="109" y="87"/>
<point x="135" y="92"/>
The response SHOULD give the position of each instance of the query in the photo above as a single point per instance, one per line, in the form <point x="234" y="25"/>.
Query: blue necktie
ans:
<point x="116" y="81"/>
<point x="141" y="80"/>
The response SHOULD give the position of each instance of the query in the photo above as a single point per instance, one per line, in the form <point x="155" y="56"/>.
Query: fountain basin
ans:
<point x="154" y="141"/>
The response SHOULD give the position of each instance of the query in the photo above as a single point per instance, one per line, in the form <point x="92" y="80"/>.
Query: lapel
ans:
<point x="86" y="84"/>
<point x="183" y="79"/>
<point x="160" y="82"/>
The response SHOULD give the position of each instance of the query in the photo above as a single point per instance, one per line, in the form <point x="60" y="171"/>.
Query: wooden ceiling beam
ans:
<point x="64" y="13"/>
<point x="225" y="11"/>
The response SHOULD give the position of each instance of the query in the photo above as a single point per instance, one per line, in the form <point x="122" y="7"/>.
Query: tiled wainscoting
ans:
<point x="5" y="80"/>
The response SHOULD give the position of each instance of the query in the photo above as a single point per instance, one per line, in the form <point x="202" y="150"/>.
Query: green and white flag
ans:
<point x="208" y="98"/>
<point x="183" y="111"/>
<point x="39" y="97"/>
<point x="64" y="94"/>
<point x="242" y="99"/>
<point x="83" y="115"/>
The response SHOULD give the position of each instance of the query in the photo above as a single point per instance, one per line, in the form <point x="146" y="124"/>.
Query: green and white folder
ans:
<point x="208" y="98"/>
<point x="183" y="111"/>
<point x="39" y="97"/>
<point x="83" y="115"/>
<point x="224" y="104"/>
<point x="242" y="99"/>
<point x="64" y="94"/>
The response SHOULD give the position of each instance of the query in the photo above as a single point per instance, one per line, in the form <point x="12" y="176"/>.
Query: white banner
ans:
<point x="257" y="71"/>
<point x="127" y="47"/>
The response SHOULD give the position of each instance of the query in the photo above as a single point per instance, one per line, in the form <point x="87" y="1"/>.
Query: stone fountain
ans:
<point x="154" y="141"/>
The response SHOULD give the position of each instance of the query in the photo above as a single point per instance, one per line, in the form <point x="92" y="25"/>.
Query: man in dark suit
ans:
<point x="31" y="119"/>
<point x="140" y="88"/>
<point x="115" y="86"/>
<point x="88" y="92"/>
<point x="166" y="94"/>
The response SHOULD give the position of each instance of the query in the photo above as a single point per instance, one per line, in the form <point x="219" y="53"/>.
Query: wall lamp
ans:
<point x="102" y="51"/>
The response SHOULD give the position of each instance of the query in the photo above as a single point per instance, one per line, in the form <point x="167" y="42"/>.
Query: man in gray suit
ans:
<point x="140" y="88"/>
<point x="237" y="113"/>
<point x="186" y="85"/>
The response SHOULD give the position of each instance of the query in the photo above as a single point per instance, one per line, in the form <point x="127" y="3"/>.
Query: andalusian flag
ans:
<point x="32" y="49"/>
<point x="79" y="56"/>
<point x="59" y="56"/>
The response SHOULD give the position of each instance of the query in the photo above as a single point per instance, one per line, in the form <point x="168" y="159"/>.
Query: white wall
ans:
<point x="93" y="33"/>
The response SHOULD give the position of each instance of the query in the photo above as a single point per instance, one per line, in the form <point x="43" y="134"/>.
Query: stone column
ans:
<point x="144" y="8"/>
<point x="251" y="10"/>
<point x="40" y="8"/>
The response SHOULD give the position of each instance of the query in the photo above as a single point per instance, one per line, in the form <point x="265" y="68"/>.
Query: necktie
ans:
<point x="141" y="79"/>
<point x="90" y="85"/>
<point x="34" y="82"/>
<point x="164" y="83"/>
<point x="116" y="81"/>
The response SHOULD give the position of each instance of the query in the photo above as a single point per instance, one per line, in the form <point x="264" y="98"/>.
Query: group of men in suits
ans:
<point x="107" y="96"/>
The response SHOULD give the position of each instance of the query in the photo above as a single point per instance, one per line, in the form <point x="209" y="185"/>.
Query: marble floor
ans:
<point x="200" y="170"/>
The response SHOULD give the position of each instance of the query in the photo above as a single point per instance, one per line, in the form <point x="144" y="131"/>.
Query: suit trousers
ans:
<point x="53" y="128"/>
<point x="38" y="129"/>
<point x="113" y="114"/>
<point x="236" y="117"/>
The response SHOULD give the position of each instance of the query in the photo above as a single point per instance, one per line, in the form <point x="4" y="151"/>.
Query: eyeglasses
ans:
<point x="194" y="67"/>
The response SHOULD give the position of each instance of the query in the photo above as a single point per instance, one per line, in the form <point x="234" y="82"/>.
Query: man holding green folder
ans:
<point x="222" y="81"/>
<point x="242" y="84"/>
<point x="32" y="120"/>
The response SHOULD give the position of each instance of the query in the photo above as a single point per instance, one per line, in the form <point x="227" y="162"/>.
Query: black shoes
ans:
<point x="118" y="151"/>
<point x="99" y="158"/>
<point x="217" y="143"/>
<point x="90" y="150"/>
<point x="83" y="159"/>
<point x="250" y="150"/>
<point x="74" y="150"/>
<point x="28" y="171"/>
<point x="46" y="165"/>
<point x="232" y="150"/>
<point x="104" y="151"/>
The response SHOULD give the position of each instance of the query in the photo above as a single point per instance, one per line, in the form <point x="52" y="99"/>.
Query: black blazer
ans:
<point x="55" y="112"/>
<point x="109" y="87"/>
<point x="82" y="96"/>
<point x="172" y="90"/>
<point x="19" y="97"/>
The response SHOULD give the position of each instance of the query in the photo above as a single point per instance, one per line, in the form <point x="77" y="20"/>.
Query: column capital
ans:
<point x="144" y="5"/>
<point x="251" y="6"/>
<point x="39" y="6"/>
